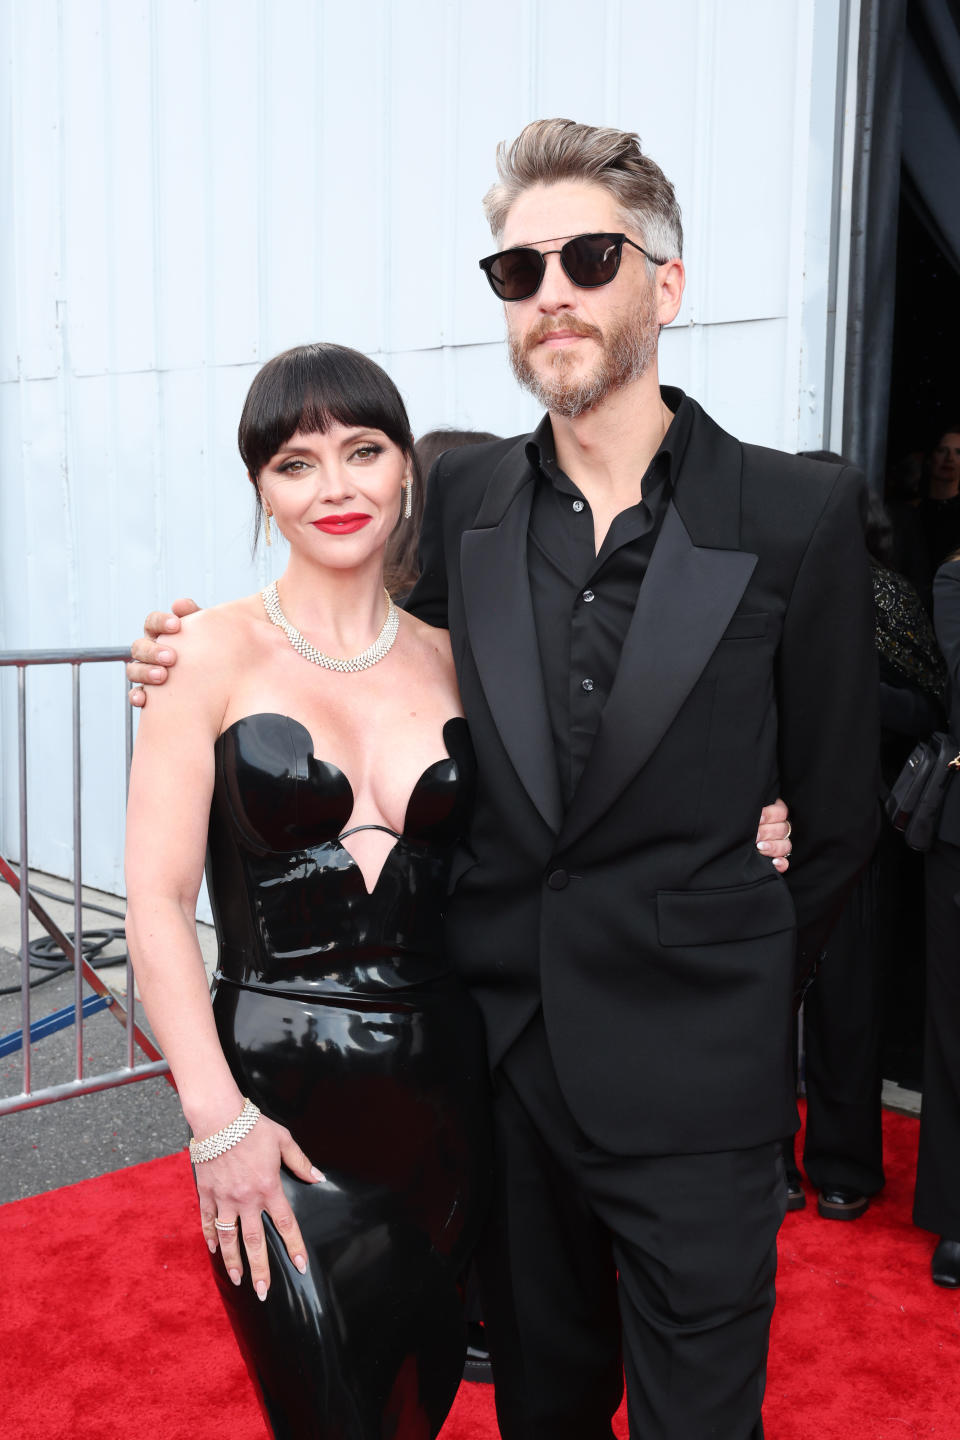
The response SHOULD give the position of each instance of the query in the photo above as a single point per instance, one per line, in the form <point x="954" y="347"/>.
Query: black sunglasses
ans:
<point x="589" y="261"/>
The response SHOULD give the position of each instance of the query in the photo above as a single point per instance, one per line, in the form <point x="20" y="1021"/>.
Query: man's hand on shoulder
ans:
<point x="151" y="660"/>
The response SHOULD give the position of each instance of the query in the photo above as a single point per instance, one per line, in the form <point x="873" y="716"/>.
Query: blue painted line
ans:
<point x="50" y="1024"/>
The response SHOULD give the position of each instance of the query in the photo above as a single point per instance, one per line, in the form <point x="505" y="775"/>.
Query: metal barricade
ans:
<point x="73" y="950"/>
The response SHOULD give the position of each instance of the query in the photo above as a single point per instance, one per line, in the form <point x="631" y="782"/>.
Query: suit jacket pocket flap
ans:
<point x="710" y="917"/>
<point x="745" y="627"/>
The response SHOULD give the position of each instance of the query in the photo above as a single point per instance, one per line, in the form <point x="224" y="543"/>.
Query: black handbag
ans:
<point x="917" y="795"/>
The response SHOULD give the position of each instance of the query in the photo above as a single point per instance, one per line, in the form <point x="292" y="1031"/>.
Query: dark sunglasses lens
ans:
<point x="516" y="274"/>
<point x="591" y="259"/>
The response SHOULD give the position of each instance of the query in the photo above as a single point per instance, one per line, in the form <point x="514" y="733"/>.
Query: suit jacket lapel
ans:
<point x="687" y="599"/>
<point x="499" y="615"/>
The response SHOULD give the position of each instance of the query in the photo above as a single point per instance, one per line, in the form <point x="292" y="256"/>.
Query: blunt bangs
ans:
<point x="311" y="388"/>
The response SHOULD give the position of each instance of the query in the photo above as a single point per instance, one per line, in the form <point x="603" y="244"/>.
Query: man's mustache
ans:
<point x="546" y="327"/>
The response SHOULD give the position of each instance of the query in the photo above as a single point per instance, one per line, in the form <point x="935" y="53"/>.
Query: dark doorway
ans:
<point x="925" y="378"/>
<point x="924" y="400"/>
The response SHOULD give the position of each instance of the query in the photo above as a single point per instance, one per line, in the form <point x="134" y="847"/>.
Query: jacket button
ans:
<point x="558" y="880"/>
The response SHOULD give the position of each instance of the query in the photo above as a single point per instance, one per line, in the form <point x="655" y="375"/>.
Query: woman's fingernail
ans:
<point x="157" y="674"/>
<point x="317" y="1174"/>
<point x="234" y="1276"/>
<point x="169" y="624"/>
<point x="212" y="1246"/>
<point x="300" y="1263"/>
<point x="164" y="655"/>
<point x="262" y="1289"/>
<point x="763" y="845"/>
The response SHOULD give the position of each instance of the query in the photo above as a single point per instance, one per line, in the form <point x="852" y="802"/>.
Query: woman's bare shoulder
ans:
<point x="215" y="648"/>
<point x="434" y="640"/>
<point x="430" y="660"/>
<point x="223" y="628"/>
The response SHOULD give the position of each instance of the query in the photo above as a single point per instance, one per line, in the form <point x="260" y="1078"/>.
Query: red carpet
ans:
<point x="111" y="1329"/>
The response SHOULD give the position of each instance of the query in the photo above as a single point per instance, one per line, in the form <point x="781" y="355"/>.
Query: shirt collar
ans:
<point x="541" y="450"/>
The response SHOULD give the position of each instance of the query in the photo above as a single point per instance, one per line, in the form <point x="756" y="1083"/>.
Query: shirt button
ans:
<point x="588" y="595"/>
<point x="558" y="880"/>
<point x="578" y="506"/>
<point x="586" y="685"/>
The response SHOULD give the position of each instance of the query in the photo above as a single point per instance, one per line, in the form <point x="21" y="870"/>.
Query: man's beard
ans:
<point x="626" y="353"/>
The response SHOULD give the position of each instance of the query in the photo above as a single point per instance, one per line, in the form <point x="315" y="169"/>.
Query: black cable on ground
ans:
<point x="45" y="954"/>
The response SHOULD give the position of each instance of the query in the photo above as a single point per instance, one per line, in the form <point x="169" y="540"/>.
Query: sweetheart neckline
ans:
<point x="401" y="834"/>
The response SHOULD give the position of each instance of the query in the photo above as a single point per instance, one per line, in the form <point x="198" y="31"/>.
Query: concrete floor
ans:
<point x="56" y="1144"/>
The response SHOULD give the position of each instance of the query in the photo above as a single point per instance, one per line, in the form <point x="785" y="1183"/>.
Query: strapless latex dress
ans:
<point x="339" y="1018"/>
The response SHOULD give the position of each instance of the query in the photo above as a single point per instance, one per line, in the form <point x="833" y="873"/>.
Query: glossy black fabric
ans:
<point x="340" y="1020"/>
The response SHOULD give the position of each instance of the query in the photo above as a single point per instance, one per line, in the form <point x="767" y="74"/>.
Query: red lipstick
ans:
<point x="342" y="524"/>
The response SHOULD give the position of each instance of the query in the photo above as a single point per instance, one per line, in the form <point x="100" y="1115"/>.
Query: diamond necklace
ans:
<point x="363" y="661"/>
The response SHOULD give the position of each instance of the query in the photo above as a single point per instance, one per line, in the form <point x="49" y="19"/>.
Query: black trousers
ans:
<point x="937" y="1200"/>
<point x="842" y="1032"/>
<point x="595" y="1264"/>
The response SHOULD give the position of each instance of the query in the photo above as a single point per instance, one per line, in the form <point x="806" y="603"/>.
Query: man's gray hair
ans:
<point x="548" y="151"/>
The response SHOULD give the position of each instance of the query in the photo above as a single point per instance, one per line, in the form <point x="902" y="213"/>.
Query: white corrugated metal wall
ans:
<point x="193" y="185"/>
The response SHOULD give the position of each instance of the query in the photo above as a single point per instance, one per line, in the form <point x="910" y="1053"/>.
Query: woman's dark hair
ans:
<point x="830" y="457"/>
<point x="936" y="436"/>
<point x="878" y="531"/>
<point x="401" y="570"/>
<point x="309" y="389"/>
<point x="436" y="442"/>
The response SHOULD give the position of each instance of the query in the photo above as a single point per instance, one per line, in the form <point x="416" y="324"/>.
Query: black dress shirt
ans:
<point x="583" y="601"/>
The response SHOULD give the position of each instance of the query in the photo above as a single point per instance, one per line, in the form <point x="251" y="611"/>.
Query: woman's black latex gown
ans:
<point x="340" y="1020"/>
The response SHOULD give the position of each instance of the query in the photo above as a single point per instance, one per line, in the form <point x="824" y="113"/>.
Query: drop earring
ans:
<point x="408" y="499"/>
<point x="266" y="527"/>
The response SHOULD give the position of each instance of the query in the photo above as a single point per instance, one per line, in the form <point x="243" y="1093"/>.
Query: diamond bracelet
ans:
<point x="225" y="1139"/>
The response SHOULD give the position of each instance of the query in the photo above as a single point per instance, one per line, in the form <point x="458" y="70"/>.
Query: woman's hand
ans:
<point x="773" y="835"/>
<point x="242" y="1184"/>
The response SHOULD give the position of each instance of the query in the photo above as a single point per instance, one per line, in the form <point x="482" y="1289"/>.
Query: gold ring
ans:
<point x="789" y="831"/>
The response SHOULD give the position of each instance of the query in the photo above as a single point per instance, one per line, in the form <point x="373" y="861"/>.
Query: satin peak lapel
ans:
<point x="499" y="614"/>
<point x="686" y="601"/>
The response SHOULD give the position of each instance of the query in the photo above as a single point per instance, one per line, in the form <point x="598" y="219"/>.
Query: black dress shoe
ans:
<point x="477" y="1364"/>
<point x="837" y="1202"/>
<point x="796" y="1199"/>
<point x="945" y="1265"/>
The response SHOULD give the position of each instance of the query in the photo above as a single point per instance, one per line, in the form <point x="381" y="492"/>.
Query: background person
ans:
<point x="938" y="513"/>
<point x="843" y="1008"/>
<point x="401" y="567"/>
<point x="937" y="1199"/>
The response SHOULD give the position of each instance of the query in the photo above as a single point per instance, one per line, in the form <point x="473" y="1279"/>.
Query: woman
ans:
<point x="939" y="510"/>
<point x="937" y="1199"/>
<point x="327" y="780"/>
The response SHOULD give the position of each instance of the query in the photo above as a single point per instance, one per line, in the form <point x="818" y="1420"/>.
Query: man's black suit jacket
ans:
<point x="660" y="943"/>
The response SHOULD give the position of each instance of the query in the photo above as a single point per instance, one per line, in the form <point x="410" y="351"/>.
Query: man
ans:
<point x="656" y="629"/>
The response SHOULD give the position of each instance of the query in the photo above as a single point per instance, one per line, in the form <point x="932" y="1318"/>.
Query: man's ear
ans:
<point x="670" y="281"/>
